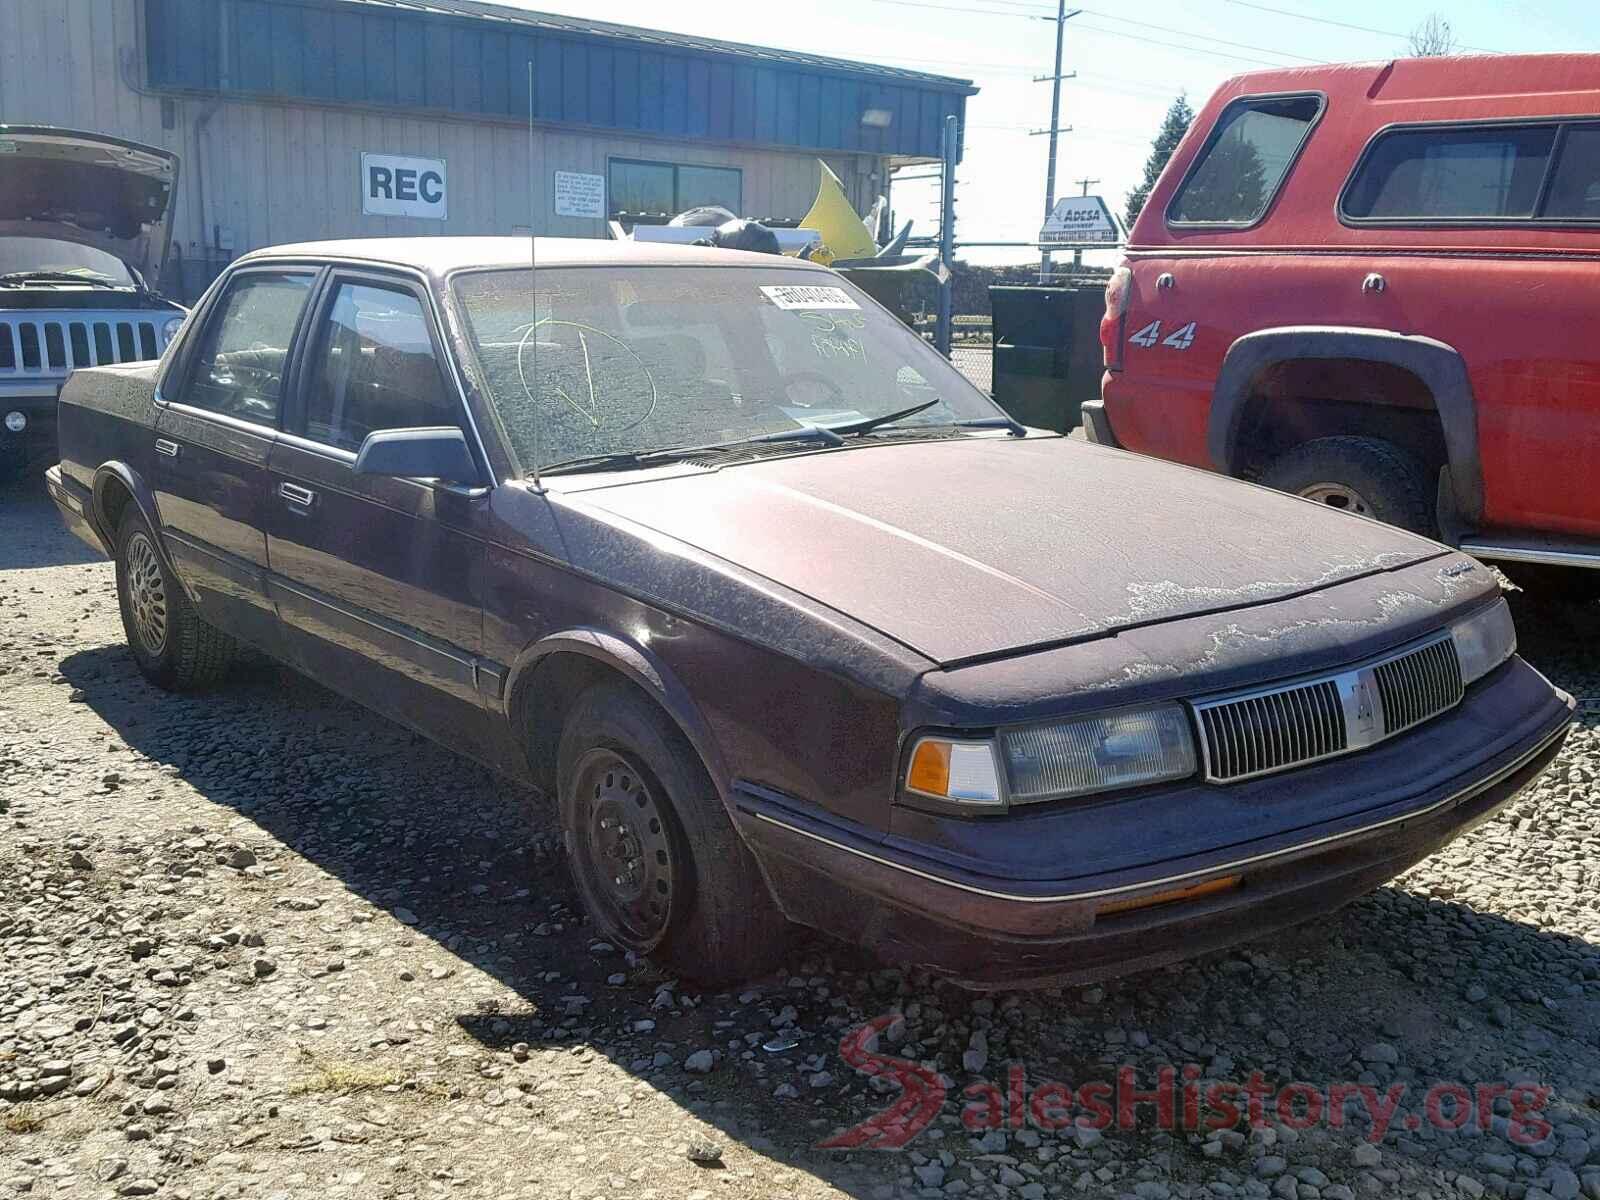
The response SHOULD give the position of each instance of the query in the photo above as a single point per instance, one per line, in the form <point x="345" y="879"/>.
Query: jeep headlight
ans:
<point x="1484" y="641"/>
<point x="1103" y="752"/>
<point x="16" y="422"/>
<point x="170" y="329"/>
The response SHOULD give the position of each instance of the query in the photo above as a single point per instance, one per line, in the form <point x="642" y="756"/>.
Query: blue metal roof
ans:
<point x="465" y="57"/>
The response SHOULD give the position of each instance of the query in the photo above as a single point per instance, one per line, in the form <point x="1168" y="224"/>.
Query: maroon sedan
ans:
<point x="790" y="620"/>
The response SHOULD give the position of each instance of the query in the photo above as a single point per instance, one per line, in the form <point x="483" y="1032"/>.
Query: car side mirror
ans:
<point x="432" y="453"/>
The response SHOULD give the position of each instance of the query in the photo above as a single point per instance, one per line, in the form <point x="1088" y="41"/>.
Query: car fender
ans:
<point x="143" y="498"/>
<point x="644" y="668"/>
<point x="1439" y="366"/>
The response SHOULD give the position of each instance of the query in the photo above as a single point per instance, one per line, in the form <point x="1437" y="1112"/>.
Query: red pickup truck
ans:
<point x="1378" y="286"/>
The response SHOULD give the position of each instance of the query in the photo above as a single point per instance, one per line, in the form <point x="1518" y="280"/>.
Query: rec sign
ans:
<point x="394" y="185"/>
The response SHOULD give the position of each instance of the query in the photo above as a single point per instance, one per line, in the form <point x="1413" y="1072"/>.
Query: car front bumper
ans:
<point x="982" y="924"/>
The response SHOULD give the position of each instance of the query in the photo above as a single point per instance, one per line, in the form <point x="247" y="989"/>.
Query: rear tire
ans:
<point x="1367" y="476"/>
<point x="658" y="863"/>
<point x="174" y="648"/>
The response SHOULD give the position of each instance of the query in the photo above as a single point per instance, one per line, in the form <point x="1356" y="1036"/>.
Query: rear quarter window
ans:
<point x="1244" y="162"/>
<point x="1477" y="174"/>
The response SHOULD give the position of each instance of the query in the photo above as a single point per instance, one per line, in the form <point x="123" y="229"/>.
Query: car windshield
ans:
<point x="49" y="256"/>
<point x="618" y="361"/>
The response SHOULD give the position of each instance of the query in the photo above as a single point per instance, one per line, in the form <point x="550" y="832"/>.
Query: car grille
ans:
<point x="1279" y="728"/>
<point x="53" y="346"/>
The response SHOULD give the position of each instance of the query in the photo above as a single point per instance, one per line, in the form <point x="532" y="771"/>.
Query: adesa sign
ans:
<point x="396" y="185"/>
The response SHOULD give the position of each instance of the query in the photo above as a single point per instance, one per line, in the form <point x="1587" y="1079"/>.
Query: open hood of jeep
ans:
<point x="88" y="188"/>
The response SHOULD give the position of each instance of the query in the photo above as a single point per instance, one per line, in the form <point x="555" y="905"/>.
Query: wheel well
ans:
<point x="114" y="500"/>
<point x="1300" y="400"/>
<point x="544" y="697"/>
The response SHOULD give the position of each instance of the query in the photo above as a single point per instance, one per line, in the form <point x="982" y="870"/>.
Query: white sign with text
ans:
<point x="579" y="195"/>
<point x="398" y="185"/>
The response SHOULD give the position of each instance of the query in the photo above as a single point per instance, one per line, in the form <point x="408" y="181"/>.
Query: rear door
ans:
<point x="378" y="580"/>
<point x="217" y="422"/>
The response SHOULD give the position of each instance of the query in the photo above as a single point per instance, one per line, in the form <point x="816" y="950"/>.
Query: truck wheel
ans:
<point x="655" y="858"/>
<point x="1367" y="476"/>
<point x="173" y="647"/>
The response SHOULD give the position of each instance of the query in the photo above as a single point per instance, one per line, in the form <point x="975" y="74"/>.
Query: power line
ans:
<point x="1388" y="33"/>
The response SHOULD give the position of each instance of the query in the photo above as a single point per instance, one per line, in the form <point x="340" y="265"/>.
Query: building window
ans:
<point x="666" y="189"/>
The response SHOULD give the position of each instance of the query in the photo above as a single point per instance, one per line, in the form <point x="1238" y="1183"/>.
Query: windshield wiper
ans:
<point x="871" y="423"/>
<point x="1016" y="427"/>
<point x="57" y="277"/>
<point x="628" y="460"/>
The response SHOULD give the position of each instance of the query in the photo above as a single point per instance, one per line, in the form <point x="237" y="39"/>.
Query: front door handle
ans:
<point x="295" y="494"/>
<point x="169" y="448"/>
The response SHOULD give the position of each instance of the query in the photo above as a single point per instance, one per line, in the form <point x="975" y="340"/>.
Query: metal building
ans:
<point x="301" y="119"/>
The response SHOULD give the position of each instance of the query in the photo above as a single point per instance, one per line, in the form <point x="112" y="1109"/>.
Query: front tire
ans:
<point x="173" y="647"/>
<point x="658" y="864"/>
<point x="1366" y="476"/>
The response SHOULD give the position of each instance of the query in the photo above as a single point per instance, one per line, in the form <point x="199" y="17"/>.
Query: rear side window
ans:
<point x="1451" y="173"/>
<point x="1244" y="161"/>
<point x="1575" y="188"/>
<point x="1482" y="173"/>
<point x="374" y="368"/>
<point x="238" y="367"/>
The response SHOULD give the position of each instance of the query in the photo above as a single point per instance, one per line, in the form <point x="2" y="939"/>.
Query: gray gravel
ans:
<point x="261" y="943"/>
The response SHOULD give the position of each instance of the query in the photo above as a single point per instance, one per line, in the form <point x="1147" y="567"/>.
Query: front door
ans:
<point x="378" y="580"/>
<point x="212" y="439"/>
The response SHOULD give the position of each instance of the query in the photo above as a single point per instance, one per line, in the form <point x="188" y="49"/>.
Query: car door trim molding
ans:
<point x="765" y="815"/>
<point x="468" y="668"/>
<point x="1439" y="366"/>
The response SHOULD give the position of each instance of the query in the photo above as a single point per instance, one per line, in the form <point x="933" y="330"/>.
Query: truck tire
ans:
<point x="657" y="862"/>
<point x="1366" y="476"/>
<point x="173" y="647"/>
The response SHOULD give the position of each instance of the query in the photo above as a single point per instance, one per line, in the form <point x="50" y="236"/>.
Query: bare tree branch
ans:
<point x="1433" y="38"/>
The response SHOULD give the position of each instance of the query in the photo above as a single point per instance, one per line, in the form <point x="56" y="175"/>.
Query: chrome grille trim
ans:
<point x="54" y="345"/>
<point x="1261" y="732"/>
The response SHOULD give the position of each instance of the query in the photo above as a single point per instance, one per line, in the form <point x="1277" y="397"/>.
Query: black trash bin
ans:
<point x="1046" y="352"/>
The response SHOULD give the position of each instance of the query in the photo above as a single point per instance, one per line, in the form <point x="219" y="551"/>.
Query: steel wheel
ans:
<point x="147" y="594"/>
<point x="623" y="849"/>
<point x="1337" y="495"/>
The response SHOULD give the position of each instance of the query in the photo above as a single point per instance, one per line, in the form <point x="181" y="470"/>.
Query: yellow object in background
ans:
<point x="843" y="233"/>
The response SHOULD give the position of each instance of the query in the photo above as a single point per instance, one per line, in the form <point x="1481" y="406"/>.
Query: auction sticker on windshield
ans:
<point x="808" y="296"/>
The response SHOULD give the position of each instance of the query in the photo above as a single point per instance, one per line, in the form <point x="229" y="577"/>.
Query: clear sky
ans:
<point x="1130" y="61"/>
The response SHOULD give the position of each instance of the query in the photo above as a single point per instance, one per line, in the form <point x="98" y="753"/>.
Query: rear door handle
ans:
<point x="295" y="494"/>
<point x="169" y="448"/>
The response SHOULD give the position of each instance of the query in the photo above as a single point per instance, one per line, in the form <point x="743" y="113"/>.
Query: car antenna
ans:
<point x="533" y="277"/>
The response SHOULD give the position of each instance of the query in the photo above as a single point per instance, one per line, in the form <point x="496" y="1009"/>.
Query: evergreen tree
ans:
<point x="1173" y="126"/>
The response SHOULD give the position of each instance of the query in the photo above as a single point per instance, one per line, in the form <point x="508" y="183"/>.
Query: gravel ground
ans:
<point x="261" y="943"/>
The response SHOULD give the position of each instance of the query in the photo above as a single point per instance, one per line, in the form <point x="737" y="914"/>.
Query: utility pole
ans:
<point x="949" y="141"/>
<point x="1077" y="255"/>
<point x="1061" y="18"/>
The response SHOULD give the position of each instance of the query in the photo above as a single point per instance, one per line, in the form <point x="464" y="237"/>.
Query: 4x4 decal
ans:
<point x="1179" y="339"/>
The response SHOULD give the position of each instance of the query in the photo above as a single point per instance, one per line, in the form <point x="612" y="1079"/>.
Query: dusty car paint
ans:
<point x="801" y="617"/>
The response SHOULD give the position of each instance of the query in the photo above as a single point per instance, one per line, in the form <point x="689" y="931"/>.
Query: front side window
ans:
<point x="613" y="361"/>
<point x="1418" y="174"/>
<point x="238" y="368"/>
<point x="1244" y="162"/>
<point x="374" y="368"/>
<point x="666" y="189"/>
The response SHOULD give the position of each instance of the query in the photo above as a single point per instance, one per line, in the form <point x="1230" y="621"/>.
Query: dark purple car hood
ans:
<point x="984" y="546"/>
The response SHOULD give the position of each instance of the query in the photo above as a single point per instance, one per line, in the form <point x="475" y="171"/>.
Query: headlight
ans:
<point x="16" y="422"/>
<point x="1484" y="641"/>
<point x="1080" y="757"/>
<point x="170" y="329"/>
<point x="1098" y="753"/>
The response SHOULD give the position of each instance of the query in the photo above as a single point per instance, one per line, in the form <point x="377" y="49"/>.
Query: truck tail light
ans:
<point x="1116" y="317"/>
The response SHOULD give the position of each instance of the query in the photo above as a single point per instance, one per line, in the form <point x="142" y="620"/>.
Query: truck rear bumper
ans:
<point x="1097" y="426"/>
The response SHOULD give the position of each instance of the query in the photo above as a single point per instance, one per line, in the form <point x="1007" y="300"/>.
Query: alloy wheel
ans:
<point x="147" y="594"/>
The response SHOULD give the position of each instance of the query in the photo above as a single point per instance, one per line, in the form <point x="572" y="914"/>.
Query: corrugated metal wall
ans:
<point x="278" y="172"/>
<point x="377" y="54"/>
